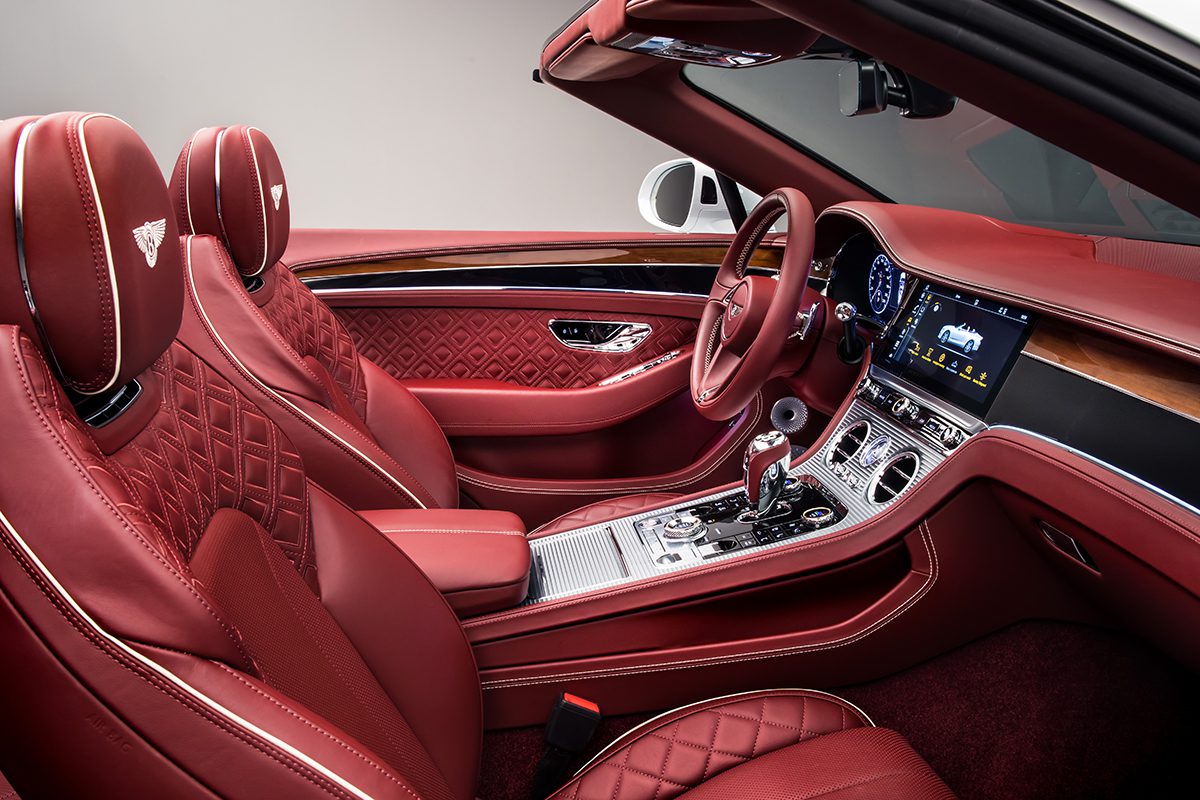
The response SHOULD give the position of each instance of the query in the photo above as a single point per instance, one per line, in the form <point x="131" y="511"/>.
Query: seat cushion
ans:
<point x="787" y="743"/>
<point x="858" y="764"/>
<point x="603" y="511"/>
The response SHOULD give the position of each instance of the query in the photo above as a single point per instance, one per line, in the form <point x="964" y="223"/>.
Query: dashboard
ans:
<point x="954" y="345"/>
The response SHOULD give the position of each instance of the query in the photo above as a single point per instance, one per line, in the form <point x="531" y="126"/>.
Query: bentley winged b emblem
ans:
<point x="148" y="237"/>
<point x="277" y="194"/>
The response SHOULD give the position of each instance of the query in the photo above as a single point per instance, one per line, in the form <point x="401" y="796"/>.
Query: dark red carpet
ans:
<point x="1041" y="710"/>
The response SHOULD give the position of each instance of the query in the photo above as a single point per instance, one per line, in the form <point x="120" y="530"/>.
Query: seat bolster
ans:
<point x="242" y="769"/>
<point x="407" y="431"/>
<point x="677" y="751"/>
<point x="390" y="611"/>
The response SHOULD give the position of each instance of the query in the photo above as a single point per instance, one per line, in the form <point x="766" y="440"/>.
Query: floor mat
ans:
<point x="1046" y="710"/>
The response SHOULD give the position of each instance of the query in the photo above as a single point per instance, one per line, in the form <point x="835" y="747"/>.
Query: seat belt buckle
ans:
<point x="572" y="723"/>
<point x="569" y="729"/>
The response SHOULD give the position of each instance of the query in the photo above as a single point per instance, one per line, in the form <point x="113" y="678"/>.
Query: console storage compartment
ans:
<point x="478" y="559"/>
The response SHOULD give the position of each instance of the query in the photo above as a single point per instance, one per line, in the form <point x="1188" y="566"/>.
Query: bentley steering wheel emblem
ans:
<point x="148" y="236"/>
<point x="734" y="310"/>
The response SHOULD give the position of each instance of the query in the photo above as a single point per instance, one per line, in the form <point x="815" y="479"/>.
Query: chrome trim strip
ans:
<point x="1108" y="385"/>
<point x="1129" y="476"/>
<point x="547" y="265"/>
<point x="19" y="224"/>
<point x="171" y="677"/>
<point x="401" y="289"/>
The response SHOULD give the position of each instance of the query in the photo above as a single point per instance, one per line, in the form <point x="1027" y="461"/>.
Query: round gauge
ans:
<point x="881" y="283"/>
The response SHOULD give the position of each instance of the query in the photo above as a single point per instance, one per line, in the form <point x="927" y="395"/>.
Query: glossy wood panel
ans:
<point x="1172" y="384"/>
<point x="586" y="256"/>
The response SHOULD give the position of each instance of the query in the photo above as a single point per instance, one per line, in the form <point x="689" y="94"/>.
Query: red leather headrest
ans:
<point x="91" y="267"/>
<point x="228" y="183"/>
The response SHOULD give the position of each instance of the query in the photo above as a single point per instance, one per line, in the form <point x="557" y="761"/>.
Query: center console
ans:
<point x="934" y="374"/>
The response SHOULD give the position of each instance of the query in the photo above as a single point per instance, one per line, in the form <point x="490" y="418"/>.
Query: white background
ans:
<point x="386" y="113"/>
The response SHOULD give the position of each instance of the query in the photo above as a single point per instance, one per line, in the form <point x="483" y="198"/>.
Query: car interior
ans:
<point x="870" y="475"/>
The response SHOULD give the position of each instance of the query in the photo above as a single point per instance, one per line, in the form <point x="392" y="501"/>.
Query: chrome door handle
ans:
<point x="599" y="336"/>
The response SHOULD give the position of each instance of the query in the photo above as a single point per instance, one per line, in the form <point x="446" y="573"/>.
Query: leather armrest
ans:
<point x="483" y="407"/>
<point x="478" y="559"/>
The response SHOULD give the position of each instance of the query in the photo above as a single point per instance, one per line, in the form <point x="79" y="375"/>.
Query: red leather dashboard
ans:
<point x="1058" y="273"/>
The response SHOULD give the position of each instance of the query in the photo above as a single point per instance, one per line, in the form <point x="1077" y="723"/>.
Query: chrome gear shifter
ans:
<point x="766" y="464"/>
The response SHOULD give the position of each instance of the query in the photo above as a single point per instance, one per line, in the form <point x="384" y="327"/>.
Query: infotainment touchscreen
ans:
<point x="956" y="345"/>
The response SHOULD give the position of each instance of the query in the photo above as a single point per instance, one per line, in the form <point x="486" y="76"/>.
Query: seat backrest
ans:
<point x="184" y="613"/>
<point x="364" y="436"/>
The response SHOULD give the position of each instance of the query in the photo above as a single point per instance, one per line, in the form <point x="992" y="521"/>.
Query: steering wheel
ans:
<point x="747" y="318"/>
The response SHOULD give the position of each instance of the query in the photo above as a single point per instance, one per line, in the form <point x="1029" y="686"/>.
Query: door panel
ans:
<point x="539" y="427"/>
<point x="513" y="345"/>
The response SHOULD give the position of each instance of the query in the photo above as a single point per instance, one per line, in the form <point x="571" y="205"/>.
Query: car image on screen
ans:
<point x="962" y="336"/>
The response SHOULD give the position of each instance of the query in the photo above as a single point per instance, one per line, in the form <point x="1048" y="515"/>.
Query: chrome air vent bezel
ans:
<point x="880" y="483"/>
<point x="837" y="454"/>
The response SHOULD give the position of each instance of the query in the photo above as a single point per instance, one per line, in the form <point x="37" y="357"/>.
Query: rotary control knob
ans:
<point x="684" y="527"/>
<point x="950" y="437"/>
<point x="869" y="390"/>
<point x="905" y="410"/>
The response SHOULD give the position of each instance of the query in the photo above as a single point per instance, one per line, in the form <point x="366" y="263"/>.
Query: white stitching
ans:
<point x="448" y="530"/>
<point x="753" y="655"/>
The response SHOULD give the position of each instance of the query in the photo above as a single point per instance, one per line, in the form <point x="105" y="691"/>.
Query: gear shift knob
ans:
<point x="768" y="457"/>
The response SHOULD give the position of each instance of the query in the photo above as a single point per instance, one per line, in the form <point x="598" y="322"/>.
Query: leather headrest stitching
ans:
<point x="228" y="183"/>
<point x="96" y="246"/>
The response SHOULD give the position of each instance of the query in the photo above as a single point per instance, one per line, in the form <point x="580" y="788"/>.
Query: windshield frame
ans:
<point x="1140" y="226"/>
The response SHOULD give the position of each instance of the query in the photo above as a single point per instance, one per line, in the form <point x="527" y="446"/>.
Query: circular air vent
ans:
<point x="847" y="445"/>
<point x="894" y="477"/>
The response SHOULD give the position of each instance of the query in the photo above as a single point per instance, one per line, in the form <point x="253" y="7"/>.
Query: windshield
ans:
<point x="968" y="160"/>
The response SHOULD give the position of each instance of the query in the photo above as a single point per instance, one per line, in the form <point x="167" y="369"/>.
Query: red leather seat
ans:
<point x="186" y="614"/>
<point x="362" y="434"/>
<point x="785" y="743"/>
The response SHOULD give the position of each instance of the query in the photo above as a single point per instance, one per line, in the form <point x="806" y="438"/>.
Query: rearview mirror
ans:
<point x="682" y="196"/>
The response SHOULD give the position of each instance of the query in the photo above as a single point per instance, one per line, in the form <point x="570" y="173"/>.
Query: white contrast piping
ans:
<point x="629" y="734"/>
<point x="279" y="397"/>
<point x="112" y="273"/>
<point x="262" y="201"/>
<point x="174" y="679"/>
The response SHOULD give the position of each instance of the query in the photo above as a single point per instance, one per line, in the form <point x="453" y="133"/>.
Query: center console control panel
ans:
<point x="725" y="524"/>
<point x="910" y="413"/>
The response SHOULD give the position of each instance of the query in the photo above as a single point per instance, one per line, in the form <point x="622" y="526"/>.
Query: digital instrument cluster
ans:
<point x="865" y="276"/>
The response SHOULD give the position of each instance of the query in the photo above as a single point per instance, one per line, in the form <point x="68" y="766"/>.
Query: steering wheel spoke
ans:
<point x="748" y="317"/>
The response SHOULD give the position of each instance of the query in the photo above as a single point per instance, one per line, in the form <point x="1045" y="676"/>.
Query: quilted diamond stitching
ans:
<point x="207" y="447"/>
<point x="510" y="345"/>
<point x="668" y="761"/>
<point x="311" y="329"/>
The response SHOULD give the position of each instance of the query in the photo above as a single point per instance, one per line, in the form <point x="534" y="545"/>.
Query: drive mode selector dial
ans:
<point x="684" y="527"/>
<point x="905" y="410"/>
